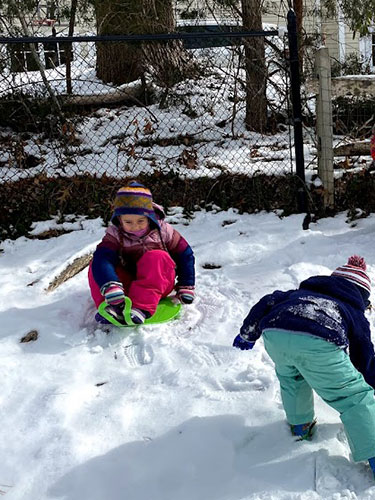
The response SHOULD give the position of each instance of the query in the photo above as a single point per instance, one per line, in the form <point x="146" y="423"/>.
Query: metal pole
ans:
<point x="324" y="128"/>
<point x="295" y="83"/>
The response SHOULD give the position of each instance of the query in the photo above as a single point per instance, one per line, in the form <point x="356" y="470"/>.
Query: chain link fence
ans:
<point x="177" y="108"/>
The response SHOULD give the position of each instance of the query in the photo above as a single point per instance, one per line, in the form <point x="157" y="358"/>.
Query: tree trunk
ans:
<point x="298" y="9"/>
<point x="72" y="19"/>
<point x="119" y="63"/>
<point x="168" y="62"/>
<point x="255" y="64"/>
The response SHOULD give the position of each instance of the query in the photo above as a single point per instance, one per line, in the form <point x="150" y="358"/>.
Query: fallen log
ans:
<point x="118" y="96"/>
<point x="71" y="270"/>
<point x="359" y="86"/>
<point x="353" y="149"/>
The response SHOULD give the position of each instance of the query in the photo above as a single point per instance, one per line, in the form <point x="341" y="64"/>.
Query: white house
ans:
<point x="318" y="29"/>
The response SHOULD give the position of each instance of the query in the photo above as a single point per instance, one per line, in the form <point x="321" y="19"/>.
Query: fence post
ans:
<point x="295" y="83"/>
<point x="324" y="129"/>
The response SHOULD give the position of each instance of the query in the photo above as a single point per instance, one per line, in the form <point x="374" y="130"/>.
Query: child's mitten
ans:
<point x="113" y="293"/>
<point x="185" y="294"/>
<point x="242" y="344"/>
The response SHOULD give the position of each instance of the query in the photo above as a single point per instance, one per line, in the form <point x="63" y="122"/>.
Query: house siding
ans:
<point x="328" y="30"/>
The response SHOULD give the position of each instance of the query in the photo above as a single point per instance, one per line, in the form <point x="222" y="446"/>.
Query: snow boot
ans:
<point x="138" y="316"/>
<point x="99" y="319"/>
<point x="115" y="311"/>
<point x="303" y="431"/>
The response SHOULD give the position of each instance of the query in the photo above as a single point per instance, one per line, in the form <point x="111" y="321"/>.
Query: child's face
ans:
<point x="133" y="223"/>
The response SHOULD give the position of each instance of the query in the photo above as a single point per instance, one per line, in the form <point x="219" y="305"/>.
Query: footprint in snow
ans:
<point x="138" y="354"/>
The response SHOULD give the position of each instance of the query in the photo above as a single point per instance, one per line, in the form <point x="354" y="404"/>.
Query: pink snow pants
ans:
<point x="155" y="279"/>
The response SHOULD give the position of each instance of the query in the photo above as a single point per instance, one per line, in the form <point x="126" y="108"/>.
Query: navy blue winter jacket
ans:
<point x="325" y="306"/>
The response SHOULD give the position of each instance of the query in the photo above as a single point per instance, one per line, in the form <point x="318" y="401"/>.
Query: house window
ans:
<point x="55" y="54"/>
<point x="51" y="54"/>
<point x="64" y="50"/>
<point x="21" y="58"/>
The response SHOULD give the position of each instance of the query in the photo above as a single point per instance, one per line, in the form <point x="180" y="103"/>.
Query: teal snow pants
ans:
<point x="304" y="362"/>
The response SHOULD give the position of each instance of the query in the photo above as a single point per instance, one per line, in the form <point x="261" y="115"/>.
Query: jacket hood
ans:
<point x="333" y="286"/>
<point x="159" y="214"/>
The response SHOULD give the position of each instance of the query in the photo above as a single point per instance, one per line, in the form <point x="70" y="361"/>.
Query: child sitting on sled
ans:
<point x="306" y="333"/>
<point x="140" y="256"/>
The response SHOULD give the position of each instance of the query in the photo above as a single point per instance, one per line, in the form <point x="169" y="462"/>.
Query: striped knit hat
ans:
<point x="134" y="199"/>
<point x="355" y="271"/>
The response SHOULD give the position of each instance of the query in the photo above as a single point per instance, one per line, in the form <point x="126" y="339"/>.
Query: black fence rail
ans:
<point x="187" y="105"/>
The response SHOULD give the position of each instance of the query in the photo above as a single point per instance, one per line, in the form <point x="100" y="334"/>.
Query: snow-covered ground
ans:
<point x="199" y="130"/>
<point x="172" y="411"/>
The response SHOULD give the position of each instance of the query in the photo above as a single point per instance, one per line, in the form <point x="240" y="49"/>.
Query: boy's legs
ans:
<point x="329" y="371"/>
<point x="155" y="279"/>
<point x="341" y="386"/>
<point x="296" y="394"/>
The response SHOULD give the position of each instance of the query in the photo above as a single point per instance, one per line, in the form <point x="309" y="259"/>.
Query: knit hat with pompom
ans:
<point x="135" y="199"/>
<point x="355" y="271"/>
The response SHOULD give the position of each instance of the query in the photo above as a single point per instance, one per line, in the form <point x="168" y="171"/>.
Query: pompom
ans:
<point x="357" y="261"/>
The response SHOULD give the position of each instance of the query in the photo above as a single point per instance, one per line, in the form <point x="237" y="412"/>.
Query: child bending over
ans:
<point x="306" y="333"/>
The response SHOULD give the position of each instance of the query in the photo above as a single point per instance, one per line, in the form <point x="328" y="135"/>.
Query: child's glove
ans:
<point x="242" y="344"/>
<point x="113" y="293"/>
<point x="185" y="294"/>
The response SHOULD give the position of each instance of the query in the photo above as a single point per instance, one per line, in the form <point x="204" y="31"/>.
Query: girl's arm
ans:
<point x="105" y="260"/>
<point x="185" y="263"/>
<point x="250" y="329"/>
<point x="183" y="255"/>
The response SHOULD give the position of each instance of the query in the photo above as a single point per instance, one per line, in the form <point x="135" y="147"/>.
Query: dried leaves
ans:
<point x="32" y="336"/>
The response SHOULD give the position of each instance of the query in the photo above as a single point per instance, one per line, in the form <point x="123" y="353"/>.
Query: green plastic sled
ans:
<point x="165" y="311"/>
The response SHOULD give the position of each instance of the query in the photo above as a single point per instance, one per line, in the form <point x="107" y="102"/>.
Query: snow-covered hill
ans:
<point x="172" y="411"/>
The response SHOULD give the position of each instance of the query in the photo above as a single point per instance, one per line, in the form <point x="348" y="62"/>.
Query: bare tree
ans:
<point x="124" y="62"/>
<point x="118" y="62"/>
<point x="72" y="19"/>
<point x="298" y="9"/>
<point x="19" y="13"/>
<point x="255" y="64"/>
